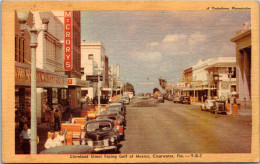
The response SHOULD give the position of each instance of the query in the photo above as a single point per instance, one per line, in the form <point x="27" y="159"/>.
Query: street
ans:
<point x="182" y="128"/>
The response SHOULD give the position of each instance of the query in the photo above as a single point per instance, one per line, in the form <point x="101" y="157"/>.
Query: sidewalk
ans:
<point x="43" y="128"/>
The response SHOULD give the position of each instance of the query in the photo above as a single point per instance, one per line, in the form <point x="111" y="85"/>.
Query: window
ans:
<point x="53" y="50"/>
<point x="16" y="48"/>
<point x="19" y="49"/>
<point x="90" y="56"/>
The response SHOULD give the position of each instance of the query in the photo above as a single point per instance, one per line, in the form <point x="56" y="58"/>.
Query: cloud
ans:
<point x="148" y="56"/>
<point x="196" y="38"/>
<point x="153" y="44"/>
<point x="173" y="37"/>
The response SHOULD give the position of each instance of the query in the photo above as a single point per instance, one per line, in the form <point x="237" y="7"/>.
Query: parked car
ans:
<point x="126" y="99"/>
<point x="102" y="135"/>
<point x="170" y="98"/>
<point x="160" y="98"/>
<point x="117" y="111"/>
<point x="185" y="99"/>
<point x="176" y="99"/>
<point x="118" y="122"/>
<point x="208" y="105"/>
<point x="218" y="107"/>
<point x="69" y="149"/>
<point x="118" y="104"/>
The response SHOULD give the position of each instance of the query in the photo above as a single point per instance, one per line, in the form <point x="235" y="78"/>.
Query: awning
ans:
<point x="77" y="82"/>
<point x="44" y="78"/>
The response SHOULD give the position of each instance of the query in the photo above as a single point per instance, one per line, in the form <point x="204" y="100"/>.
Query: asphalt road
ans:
<point x="181" y="128"/>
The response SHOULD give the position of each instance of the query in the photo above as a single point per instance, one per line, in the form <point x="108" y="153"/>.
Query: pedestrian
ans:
<point x="61" y="138"/>
<point x="57" y="120"/>
<point x="51" y="142"/>
<point x="244" y="103"/>
<point x="52" y="119"/>
<point x="25" y="137"/>
<point x="71" y="119"/>
<point x="23" y="120"/>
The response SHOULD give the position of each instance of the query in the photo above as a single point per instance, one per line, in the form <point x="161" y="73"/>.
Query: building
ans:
<point x="209" y="78"/>
<point x="94" y="61"/>
<point x="49" y="58"/>
<point x="243" y="65"/>
<point x="73" y="93"/>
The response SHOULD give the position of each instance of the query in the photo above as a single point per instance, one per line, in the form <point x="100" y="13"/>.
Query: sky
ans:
<point x="152" y="44"/>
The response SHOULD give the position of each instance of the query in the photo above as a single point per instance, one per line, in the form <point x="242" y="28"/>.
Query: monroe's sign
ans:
<point x="68" y="40"/>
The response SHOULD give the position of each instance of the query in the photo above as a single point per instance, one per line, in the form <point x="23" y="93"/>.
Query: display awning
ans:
<point x="77" y="82"/>
<point x="44" y="78"/>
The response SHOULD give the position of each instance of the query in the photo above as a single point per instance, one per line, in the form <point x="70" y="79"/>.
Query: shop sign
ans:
<point x="94" y="78"/>
<point x="77" y="82"/>
<point x="43" y="79"/>
<point x="68" y="40"/>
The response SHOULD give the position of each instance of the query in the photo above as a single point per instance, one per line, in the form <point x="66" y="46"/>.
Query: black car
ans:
<point x="118" y="103"/>
<point x="218" y="107"/>
<point x="69" y="149"/>
<point x="102" y="135"/>
<point x="185" y="99"/>
<point x="118" y="113"/>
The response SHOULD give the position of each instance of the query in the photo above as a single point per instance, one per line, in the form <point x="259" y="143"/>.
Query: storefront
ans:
<point x="50" y="86"/>
<point x="74" y="92"/>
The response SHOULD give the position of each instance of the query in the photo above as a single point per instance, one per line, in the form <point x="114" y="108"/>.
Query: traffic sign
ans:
<point x="93" y="78"/>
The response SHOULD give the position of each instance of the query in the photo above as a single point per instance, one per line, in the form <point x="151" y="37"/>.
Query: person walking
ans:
<point x="25" y="138"/>
<point x="57" y="120"/>
<point x="52" y="119"/>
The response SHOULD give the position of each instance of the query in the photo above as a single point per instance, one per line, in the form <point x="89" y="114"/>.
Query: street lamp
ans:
<point x="230" y="74"/>
<point x="99" y="74"/>
<point x="216" y="79"/>
<point x="33" y="32"/>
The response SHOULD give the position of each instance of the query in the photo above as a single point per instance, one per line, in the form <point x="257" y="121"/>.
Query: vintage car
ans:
<point x="118" y="122"/>
<point x="208" y="105"/>
<point x="71" y="149"/>
<point x="116" y="112"/>
<point x="218" y="107"/>
<point x="118" y="103"/>
<point x="117" y="108"/>
<point x="126" y="99"/>
<point x="102" y="135"/>
<point x="185" y="99"/>
<point x="160" y="98"/>
<point x="176" y="99"/>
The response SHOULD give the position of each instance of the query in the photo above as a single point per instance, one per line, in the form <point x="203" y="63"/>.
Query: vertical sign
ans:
<point x="68" y="40"/>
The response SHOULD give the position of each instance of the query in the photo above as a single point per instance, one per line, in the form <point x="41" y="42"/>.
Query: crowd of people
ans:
<point x="52" y="116"/>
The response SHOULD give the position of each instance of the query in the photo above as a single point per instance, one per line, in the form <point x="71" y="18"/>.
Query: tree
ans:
<point x="129" y="88"/>
<point x="155" y="89"/>
<point x="163" y="83"/>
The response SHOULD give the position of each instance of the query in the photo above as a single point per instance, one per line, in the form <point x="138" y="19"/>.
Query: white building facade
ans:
<point x="93" y="62"/>
<point x="210" y="78"/>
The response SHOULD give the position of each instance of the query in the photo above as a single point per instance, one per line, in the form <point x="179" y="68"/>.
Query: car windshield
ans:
<point x="99" y="126"/>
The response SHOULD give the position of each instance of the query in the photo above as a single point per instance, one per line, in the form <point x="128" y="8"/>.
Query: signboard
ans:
<point x="93" y="78"/>
<point x="43" y="78"/>
<point x="77" y="82"/>
<point x="68" y="40"/>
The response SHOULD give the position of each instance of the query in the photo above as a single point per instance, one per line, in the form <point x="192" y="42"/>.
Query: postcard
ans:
<point x="130" y="81"/>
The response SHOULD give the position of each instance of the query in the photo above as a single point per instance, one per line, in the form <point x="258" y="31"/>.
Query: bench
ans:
<point x="73" y="132"/>
<point x="81" y="121"/>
